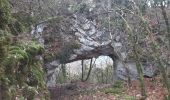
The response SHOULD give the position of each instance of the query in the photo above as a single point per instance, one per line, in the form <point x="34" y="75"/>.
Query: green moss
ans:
<point x="118" y="84"/>
<point x="5" y="14"/>
<point x="116" y="88"/>
<point x="75" y="45"/>
<point x="34" y="48"/>
<point x="24" y="19"/>
<point x="113" y="91"/>
<point x="127" y="97"/>
<point x="4" y="85"/>
<point x="24" y="69"/>
<point x="4" y="42"/>
<point x="29" y="93"/>
<point x="48" y="57"/>
<point x="19" y="60"/>
<point x="16" y="27"/>
<point x="118" y="92"/>
<point x="67" y="50"/>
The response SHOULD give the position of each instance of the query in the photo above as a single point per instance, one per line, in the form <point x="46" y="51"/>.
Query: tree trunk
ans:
<point x="166" y="22"/>
<point x="91" y="66"/>
<point x="165" y="19"/>
<point x="156" y="57"/>
<point x="140" y="72"/>
<point x="116" y="61"/>
<point x="127" y="71"/>
<point x="82" y="74"/>
<point x="115" y="64"/>
<point x="136" y="57"/>
<point x="63" y="67"/>
<point x="102" y="77"/>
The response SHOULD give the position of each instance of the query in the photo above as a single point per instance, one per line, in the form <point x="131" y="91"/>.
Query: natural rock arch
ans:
<point x="106" y="50"/>
<point x="93" y="43"/>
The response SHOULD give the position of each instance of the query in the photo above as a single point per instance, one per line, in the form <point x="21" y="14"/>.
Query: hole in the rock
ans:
<point x="70" y="82"/>
<point x="100" y="71"/>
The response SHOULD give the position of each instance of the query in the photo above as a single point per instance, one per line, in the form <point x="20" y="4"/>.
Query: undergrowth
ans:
<point x="117" y="90"/>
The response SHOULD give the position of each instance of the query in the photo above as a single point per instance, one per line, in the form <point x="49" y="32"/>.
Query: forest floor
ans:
<point x="118" y="91"/>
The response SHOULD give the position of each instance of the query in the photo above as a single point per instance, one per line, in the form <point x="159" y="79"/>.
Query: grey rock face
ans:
<point x="122" y="74"/>
<point x="93" y="43"/>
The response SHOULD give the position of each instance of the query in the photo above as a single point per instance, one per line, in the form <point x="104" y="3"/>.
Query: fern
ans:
<point x="18" y="61"/>
<point x="22" y="66"/>
<point x="38" y="74"/>
<point x="19" y="53"/>
<point x="34" y="49"/>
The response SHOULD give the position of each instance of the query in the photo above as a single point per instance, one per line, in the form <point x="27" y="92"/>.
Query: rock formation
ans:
<point x="91" y="42"/>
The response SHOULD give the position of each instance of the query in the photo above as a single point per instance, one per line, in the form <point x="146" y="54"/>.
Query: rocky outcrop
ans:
<point x="93" y="43"/>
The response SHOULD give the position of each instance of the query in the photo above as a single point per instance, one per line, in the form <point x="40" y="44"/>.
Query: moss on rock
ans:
<point x="5" y="14"/>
